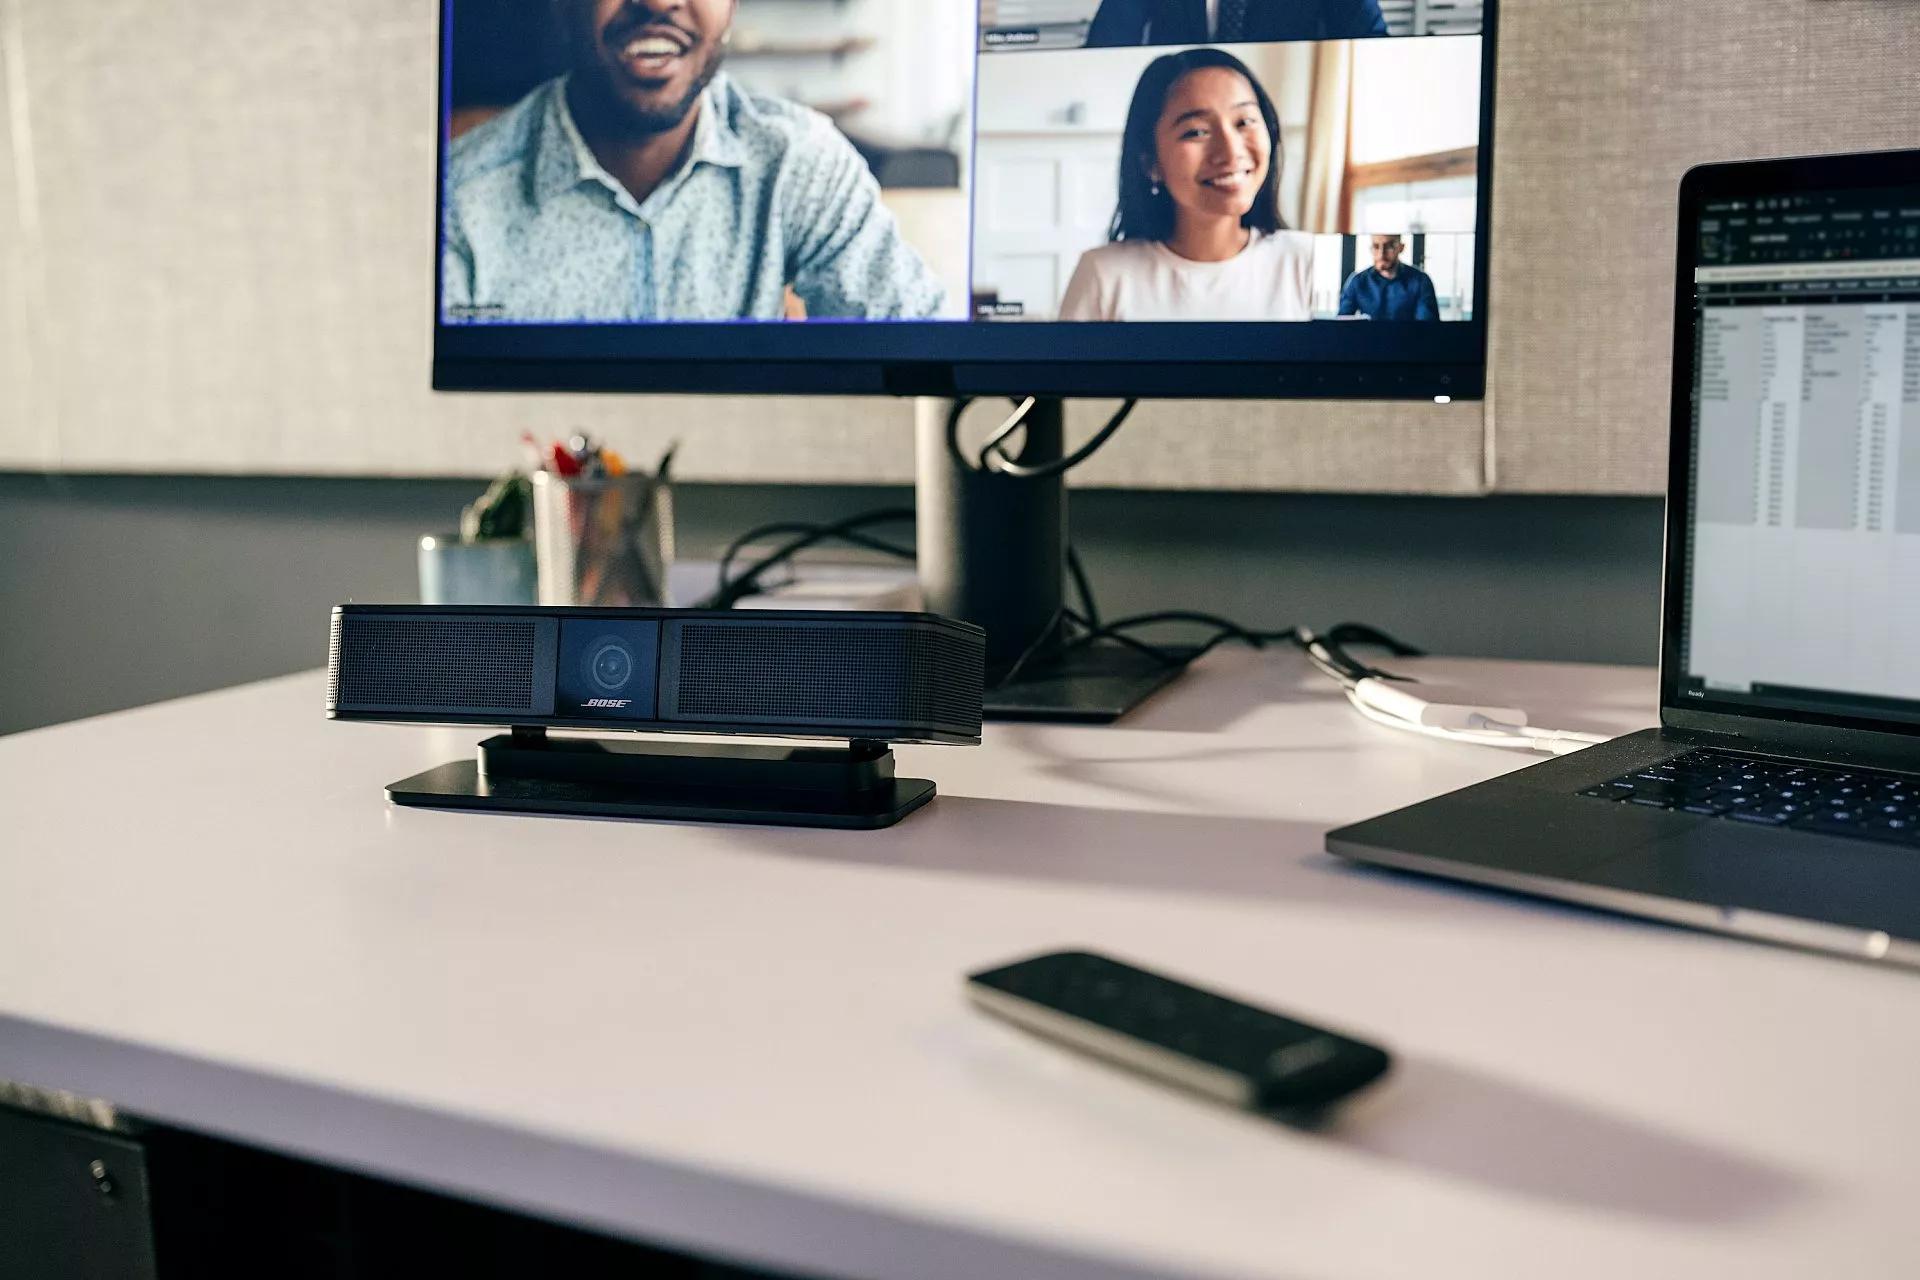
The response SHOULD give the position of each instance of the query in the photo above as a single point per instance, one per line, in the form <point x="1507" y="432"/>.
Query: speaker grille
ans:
<point x="832" y="674"/>
<point x="333" y="663"/>
<point x="455" y="664"/>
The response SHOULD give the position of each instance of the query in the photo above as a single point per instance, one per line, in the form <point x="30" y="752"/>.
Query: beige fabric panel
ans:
<point x="25" y="433"/>
<point x="1356" y="446"/>
<point x="1601" y="109"/>
<point x="232" y="230"/>
<point x="235" y="210"/>
<point x="237" y="199"/>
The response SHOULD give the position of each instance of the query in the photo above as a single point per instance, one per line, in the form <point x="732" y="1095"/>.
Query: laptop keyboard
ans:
<point x="1859" y="803"/>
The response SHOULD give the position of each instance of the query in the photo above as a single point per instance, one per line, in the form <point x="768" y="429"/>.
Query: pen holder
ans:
<point x="606" y="541"/>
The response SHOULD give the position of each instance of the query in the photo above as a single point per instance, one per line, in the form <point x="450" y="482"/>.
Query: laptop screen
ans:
<point x="1802" y="583"/>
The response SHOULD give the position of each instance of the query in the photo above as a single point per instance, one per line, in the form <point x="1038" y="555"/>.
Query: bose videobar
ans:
<point x="863" y="679"/>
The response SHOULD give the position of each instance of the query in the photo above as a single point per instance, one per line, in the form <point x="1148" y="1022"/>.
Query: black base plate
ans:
<point x="458" y="785"/>
<point x="1095" y="685"/>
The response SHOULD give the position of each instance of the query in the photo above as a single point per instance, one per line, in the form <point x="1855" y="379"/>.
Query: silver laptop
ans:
<point x="1780" y="796"/>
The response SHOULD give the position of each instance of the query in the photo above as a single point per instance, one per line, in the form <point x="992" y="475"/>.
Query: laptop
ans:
<point x="1779" y="798"/>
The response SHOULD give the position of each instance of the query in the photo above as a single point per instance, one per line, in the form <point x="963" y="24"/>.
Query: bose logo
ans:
<point x="609" y="702"/>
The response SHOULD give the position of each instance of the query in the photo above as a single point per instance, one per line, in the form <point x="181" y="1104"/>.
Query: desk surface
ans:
<point x="753" y="1042"/>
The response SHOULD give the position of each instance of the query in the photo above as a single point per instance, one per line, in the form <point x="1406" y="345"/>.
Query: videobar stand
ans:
<point x="992" y="550"/>
<point x="851" y="788"/>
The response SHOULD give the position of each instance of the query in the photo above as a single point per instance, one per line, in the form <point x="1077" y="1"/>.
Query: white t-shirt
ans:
<point x="1270" y="279"/>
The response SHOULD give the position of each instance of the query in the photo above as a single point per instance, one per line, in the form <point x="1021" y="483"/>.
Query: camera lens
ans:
<point x="610" y="665"/>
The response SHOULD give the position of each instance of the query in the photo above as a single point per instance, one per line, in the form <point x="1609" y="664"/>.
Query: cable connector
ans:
<point x="1397" y="707"/>
<point x="1402" y="703"/>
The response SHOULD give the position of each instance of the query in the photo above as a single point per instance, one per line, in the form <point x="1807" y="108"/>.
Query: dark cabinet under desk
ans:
<point x="126" y="1200"/>
<point x="74" y="1202"/>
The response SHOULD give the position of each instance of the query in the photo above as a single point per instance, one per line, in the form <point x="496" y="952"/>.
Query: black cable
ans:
<point x="848" y="531"/>
<point x="1007" y="428"/>
<point x="1116" y="631"/>
<point x="1347" y="633"/>
<point x="1038" y="649"/>
<point x="1083" y="585"/>
<point x="1328" y="652"/>
<point x="1253" y="639"/>
<point x="790" y="528"/>
<point x="995" y="458"/>
<point x="1004" y="464"/>
<point x="1324" y="651"/>
<point x="812" y="535"/>
<point x="1326" y="668"/>
<point x="729" y="592"/>
<point x="1225" y="629"/>
<point x="1032" y="651"/>
<point x="1164" y="657"/>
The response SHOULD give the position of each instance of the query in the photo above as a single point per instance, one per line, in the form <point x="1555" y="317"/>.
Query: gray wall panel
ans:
<point x="1602" y="108"/>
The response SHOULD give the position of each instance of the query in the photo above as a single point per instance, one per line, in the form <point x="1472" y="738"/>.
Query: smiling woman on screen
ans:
<point x="1198" y="234"/>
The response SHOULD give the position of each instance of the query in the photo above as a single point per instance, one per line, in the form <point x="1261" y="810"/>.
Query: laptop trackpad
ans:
<point x="1789" y="873"/>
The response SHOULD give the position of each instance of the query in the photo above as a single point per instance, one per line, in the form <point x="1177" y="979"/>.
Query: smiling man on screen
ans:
<point x="646" y="185"/>
<point x="1390" y="289"/>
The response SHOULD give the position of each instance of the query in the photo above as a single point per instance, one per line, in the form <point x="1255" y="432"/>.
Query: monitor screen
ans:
<point x="1804" y="497"/>
<point x="1161" y="197"/>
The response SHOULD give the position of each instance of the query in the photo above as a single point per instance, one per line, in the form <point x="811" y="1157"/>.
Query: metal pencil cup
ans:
<point x="606" y="541"/>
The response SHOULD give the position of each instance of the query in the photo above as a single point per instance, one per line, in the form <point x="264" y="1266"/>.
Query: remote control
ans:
<point x="1226" y="1050"/>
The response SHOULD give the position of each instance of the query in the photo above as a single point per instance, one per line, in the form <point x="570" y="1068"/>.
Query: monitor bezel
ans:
<point x="1326" y="359"/>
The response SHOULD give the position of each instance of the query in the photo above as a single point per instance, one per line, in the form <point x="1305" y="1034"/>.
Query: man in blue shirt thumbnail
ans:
<point x="1125" y="22"/>
<point x="646" y="185"/>
<point x="1390" y="289"/>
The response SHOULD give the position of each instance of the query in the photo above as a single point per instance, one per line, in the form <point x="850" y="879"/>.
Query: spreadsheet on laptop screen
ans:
<point x="1803" y="581"/>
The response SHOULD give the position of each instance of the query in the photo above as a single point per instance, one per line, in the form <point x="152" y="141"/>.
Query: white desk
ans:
<point x="753" y="1043"/>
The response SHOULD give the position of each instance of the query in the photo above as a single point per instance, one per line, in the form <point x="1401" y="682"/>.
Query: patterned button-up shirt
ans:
<point x="771" y="195"/>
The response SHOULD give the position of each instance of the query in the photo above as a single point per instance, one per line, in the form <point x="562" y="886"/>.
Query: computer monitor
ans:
<point x="967" y="198"/>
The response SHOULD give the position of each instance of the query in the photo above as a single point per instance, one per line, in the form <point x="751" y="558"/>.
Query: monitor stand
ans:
<point x="993" y="551"/>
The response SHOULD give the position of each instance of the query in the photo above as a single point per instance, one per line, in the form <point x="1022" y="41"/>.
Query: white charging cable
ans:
<point x="1398" y="706"/>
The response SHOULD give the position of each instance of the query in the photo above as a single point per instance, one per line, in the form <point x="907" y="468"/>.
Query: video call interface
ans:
<point x="996" y="162"/>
